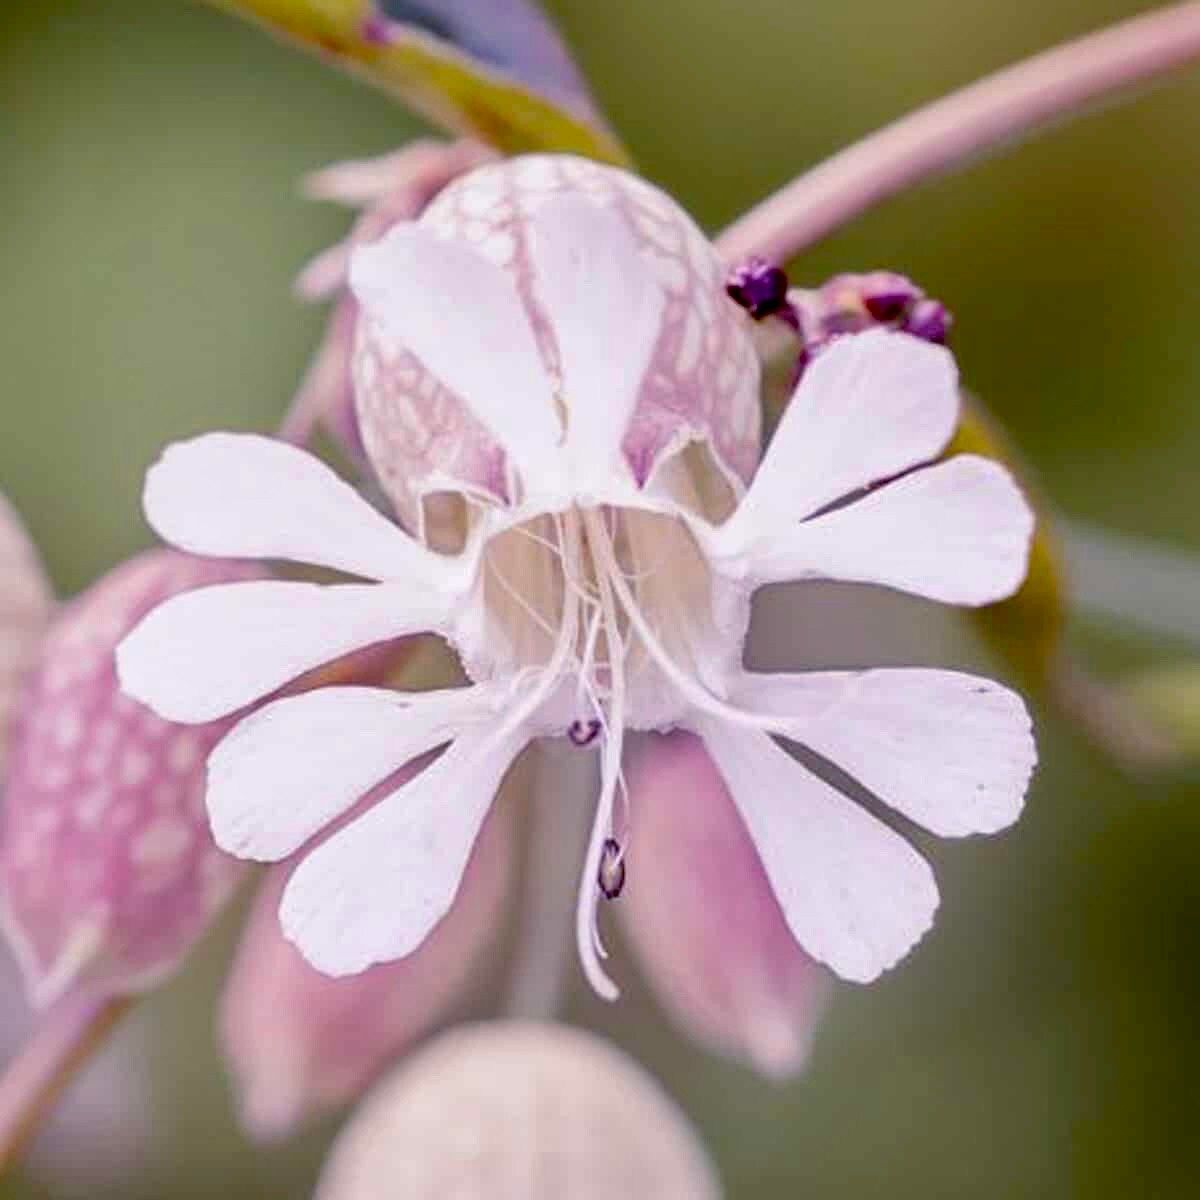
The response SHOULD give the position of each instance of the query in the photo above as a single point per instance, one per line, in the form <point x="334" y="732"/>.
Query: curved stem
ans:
<point x="68" y="1035"/>
<point x="962" y="126"/>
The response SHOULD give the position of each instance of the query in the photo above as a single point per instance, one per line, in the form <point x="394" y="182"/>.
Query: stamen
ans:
<point x="693" y="689"/>
<point x="611" y="875"/>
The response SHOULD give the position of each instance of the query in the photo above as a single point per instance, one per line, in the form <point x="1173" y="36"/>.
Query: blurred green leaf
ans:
<point x="1171" y="696"/>
<point x="461" y="70"/>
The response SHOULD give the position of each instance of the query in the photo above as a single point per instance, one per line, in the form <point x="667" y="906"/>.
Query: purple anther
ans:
<point x="930" y="321"/>
<point x="583" y="733"/>
<point x="888" y="296"/>
<point x="759" y="287"/>
<point x="610" y="874"/>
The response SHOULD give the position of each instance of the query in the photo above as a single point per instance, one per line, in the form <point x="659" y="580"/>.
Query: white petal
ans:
<point x="245" y="496"/>
<point x="606" y="307"/>
<point x="958" y="532"/>
<point x="460" y="314"/>
<point x="207" y="653"/>
<point x="374" y="890"/>
<point x="290" y="768"/>
<point x="952" y="752"/>
<point x="871" y="406"/>
<point x="855" y="895"/>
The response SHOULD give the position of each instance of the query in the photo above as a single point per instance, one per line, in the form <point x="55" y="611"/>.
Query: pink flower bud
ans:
<point x="300" y="1042"/>
<point x="107" y="869"/>
<point x="25" y="604"/>
<point x="701" y="384"/>
<point x="702" y="917"/>
<point x="539" y="1111"/>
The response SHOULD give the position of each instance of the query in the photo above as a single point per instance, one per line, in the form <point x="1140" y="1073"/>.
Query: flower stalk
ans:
<point x="69" y="1034"/>
<point x="962" y="126"/>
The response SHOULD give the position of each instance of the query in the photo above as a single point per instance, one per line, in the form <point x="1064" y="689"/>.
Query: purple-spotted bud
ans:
<point x="887" y="296"/>
<point x="539" y="1111"/>
<point x="758" y="286"/>
<point x="390" y="188"/>
<point x="702" y="918"/>
<point x="698" y="388"/>
<point x="25" y="605"/>
<point x="299" y="1042"/>
<point x="856" y="303"/>
<point x="107" y="870"/>
<point x="928" y="320"/>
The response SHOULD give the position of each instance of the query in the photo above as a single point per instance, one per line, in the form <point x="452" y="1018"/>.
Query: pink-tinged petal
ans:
<point x="375" y="890"/>
<point x="210" y="652"/>
<point x="322" y="750"/>
<point x="240" y="495"/>
<point x="855" y="894"/>
<point x="606" y="308"/>
<point x="958" y="532"/>
<point x="26" y="601"/>
<point x="700" y="912"/>
<point x="952" y="752"/>
<point x="301" y="1043"/>
<point x="107" y="868"/>
<point x="516" y="1109"/>
<point x="869" y="408"/>
<point x="702" y="384"/>
<point x="462" y="317"/>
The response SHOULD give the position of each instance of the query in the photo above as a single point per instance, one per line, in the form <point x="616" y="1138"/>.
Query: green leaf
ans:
<point x="461" y="69"/>
<point x="1170" y="695"/>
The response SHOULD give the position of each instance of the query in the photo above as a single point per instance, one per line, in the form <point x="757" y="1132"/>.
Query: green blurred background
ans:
<point x="1043" y="1041"/>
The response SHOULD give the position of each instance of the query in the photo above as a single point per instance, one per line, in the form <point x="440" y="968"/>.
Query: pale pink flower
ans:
<point x="559" y="397"/>
<point x="515" y="1109"/>
<point x="301" y="1043"/>
<point x="108" y="873"/>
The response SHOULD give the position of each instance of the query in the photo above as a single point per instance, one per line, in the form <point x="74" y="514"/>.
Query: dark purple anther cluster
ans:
<point x="760" y="287"/>
<point x="856" y="303"/>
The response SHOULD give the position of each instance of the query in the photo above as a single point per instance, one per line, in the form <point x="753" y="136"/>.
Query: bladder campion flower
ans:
<point x="562" y="403"/>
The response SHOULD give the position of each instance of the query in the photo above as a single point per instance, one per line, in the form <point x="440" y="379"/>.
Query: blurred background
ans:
<point x="1043" y="1040"/>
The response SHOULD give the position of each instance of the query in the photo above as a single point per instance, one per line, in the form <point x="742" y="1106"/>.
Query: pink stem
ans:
<point x="963" y="125"/>
<point x="70" y="1032"/>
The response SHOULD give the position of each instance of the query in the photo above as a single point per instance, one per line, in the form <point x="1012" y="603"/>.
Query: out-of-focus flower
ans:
<point x="300" y="1042"/>
<point x="701" y="915"/>
<point x="390" y="188"/>
<point x="550" y="356"/>
<point x="26" y="602"/>
<point x="108" y="872"/>
<point x="518" y="1112"/>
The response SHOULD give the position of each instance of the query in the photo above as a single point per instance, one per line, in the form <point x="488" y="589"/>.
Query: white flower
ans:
<point x="582" y="594"/>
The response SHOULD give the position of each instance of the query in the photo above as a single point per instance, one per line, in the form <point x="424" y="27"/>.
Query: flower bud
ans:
<point x="702" y="918"/>
<point x="508" y="1110"/>
<point x="300" y="1042"/>
<point x="107" y="869"/>
<point x="25" y="604"/>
